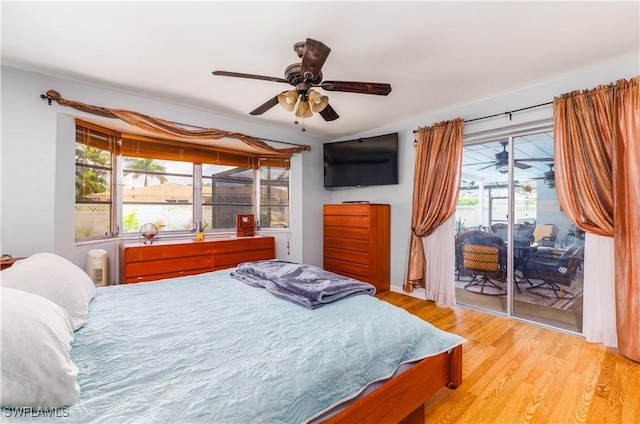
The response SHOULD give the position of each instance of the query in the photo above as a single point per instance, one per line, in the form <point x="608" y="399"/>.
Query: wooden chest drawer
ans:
<point x="155" y="277"/>
<point x="344" y="209"/>
<point x="349" y="269"/>
<point x="229" y="254"/>
<point x="361" y="258"/>
<point x="242" y="244"/>
<point x="162" y="266"/>
<point x="347" y="232"/>
<point x="357" y="221"/>
<point x="140" y="263"/>
<point x="162" y="251"/>
<point x="344" y="243"/>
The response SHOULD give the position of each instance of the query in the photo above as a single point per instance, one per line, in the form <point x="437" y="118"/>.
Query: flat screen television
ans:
<point x="364" y="161"/>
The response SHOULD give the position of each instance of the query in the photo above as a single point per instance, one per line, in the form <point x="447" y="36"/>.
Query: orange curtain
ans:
<point x="597" y="161"/>
<point x="436" y="186"/>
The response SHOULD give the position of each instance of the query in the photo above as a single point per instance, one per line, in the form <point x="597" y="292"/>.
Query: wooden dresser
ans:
<point x="357" y="242"/>
<point x="160" y="260"/>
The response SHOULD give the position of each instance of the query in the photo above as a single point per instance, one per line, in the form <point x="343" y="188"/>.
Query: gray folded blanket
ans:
<point x="306" y="285"/>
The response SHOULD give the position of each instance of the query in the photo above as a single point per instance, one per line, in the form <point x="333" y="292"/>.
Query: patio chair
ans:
<point x="545" y="235"/>
<point x="500" y="229"/>
<point x="484" y="258"/>
<point x="523" y="235"/>
<point x="458" y="247"/>
<point x="556" y="268"/>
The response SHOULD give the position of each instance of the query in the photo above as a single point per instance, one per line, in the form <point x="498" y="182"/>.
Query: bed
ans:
<point x="210" y="348"/>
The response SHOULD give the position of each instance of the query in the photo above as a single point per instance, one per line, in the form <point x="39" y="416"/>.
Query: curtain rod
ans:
<point x="509" y="113"/>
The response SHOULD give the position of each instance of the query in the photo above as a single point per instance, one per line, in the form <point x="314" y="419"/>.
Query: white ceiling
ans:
<point x="435" y="55"/>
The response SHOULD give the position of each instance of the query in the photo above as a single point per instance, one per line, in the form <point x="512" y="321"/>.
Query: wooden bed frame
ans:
<point x="401" y="400"/>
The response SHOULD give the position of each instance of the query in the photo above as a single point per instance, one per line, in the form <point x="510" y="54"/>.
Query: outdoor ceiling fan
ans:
<point x="502" y="161"/>
<point x="304" y="76"/>
<point x="549" y="177"/>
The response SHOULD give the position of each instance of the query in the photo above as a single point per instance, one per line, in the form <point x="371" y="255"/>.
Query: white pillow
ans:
<point x="55" y="278"/>
<point x="37" y="370"/>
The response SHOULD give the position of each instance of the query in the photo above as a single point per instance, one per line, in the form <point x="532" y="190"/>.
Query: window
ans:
<point x="94" y="180"/>
<point x="274" y="197"/>
<point x="179" y="187"/>
<point x="226" y="192"/>
<point x="157" y="191"/>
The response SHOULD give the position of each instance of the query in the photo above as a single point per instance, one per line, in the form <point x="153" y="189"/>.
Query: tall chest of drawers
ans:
<point x="356" y="242"/>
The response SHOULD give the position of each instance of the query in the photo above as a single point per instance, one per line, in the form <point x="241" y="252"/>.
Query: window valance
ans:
<point x="156" y="148"/>
<point x="165" y="129"/>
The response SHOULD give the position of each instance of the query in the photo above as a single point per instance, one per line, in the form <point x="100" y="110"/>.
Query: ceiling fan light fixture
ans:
<point x="288" y="100"/>
<point x="304" y="109"/>
<point x="318" y="101"/>
<point x="502" y="168"/>
<point x="550" y="177"/>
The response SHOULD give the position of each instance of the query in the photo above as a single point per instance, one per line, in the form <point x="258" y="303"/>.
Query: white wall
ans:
<point x="37" y="168"/>
<point x="37" y="177"/>
<point x="399" y="196"/>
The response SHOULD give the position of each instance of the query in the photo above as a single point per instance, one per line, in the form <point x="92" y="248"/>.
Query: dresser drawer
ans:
<point x="360" y="258"/>
<point x="344" y="273"/>
<point x="165" y="251"/>
<point x="350" y="269"/>
<point x="358" y="221"/>
<point x="347" y="232"/>
<point x="229" y="260"/>
<point x="348" y="209"/>
<point x="351" y="244"/>
<point x="162" y="266"/>
<point x="154" y="277"/>
<point x="243" y="244"/>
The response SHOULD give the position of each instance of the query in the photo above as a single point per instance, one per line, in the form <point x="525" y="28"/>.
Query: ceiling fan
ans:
<point x="549" y="177"/>
<point x="305" y="75"/>
<point x="502" y="161"/>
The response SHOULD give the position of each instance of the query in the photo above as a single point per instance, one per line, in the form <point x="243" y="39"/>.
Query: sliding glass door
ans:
<point x="548" y="267"/>
<point x="516" y="251"/>
<point x="481" y="257"/>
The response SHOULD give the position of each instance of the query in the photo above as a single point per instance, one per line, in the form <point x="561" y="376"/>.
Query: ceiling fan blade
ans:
<point x="265" y="106"/>
<point x="315" y="54"/>
<point x="535" y="160"/>
<point x="357" y="87"/>
<point x="329" y="114"/>
<point x="478" y="163"/>
<point x="486" y="167"/>
<point x="521" y="165"/>
<point x="250" y="76"/>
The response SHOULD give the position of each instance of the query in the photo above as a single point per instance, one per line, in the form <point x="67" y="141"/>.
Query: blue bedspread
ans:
<point x="304" y="284"/>
<point x="211" y="349"/>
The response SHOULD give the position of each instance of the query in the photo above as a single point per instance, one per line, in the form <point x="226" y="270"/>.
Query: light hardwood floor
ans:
<point x="519" y="373"/>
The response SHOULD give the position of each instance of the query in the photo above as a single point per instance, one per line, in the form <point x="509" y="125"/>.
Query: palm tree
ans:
<point x="144" y="166"/>
<point x="90" y="176"/>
